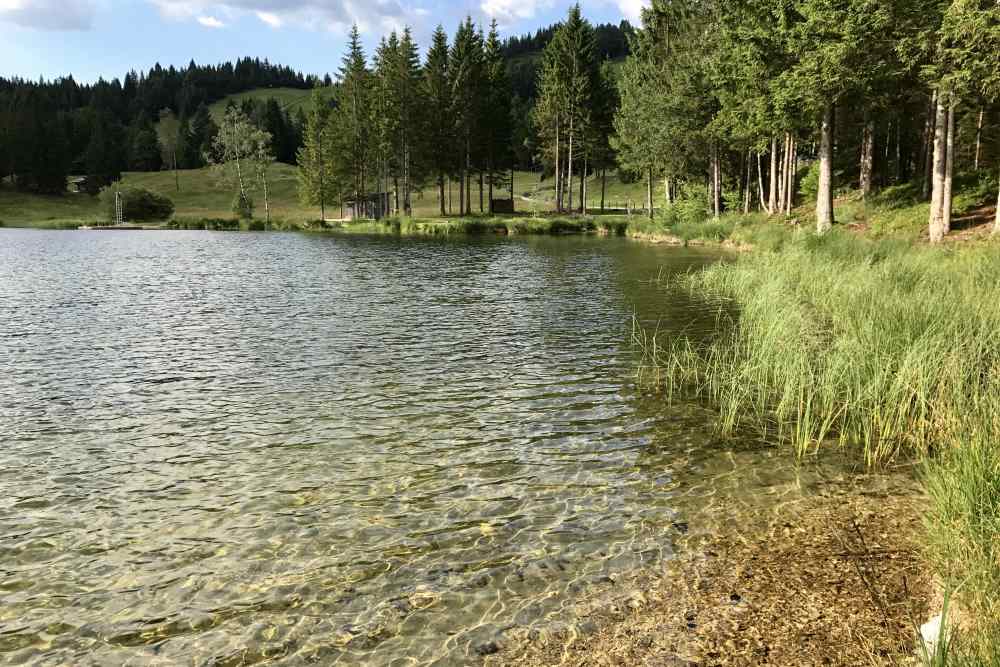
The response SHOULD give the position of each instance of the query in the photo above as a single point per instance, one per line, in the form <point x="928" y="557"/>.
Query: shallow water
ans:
<point x="237" y="448"/>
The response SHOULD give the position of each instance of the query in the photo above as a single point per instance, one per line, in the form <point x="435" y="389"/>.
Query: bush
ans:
<point x="139" y="204"/>
<point x="809" y="185"/>
<point x="243" y="206"/>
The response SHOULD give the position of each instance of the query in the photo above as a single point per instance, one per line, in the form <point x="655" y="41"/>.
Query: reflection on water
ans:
<point x="231" y="448"/>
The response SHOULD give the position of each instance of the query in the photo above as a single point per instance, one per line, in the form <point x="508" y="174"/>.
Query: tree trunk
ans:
<point x="716" y="185"/>
<point x="481" y="208"/>
<point x="782" y="173"/>
<point x="867" y="156"/>
<point x="979" y="140"/>
<point x="899" y="153"/>
<point x="267" y="202"/>
<point x="949" y="160"/>
<point x="667" y="196"/>
<point x="569" y="170"/>
<point x="792" y="163"/>
<point x="772" y="193"/>
<point x="490" y="185"/>
<point x="749" y="184"/>
<point x="558" y="172"/>
<point x="649" y="192"/>
<point x="824" y="195"/>
<point x="604" y="185"/>
<point x="441" y="193"/>
<point x="583" y="187"/>
<point x="461" y="193"/>
<point x="935" y="226"/>
<point x="760" y="184"/>
<point x="930" y="129"/>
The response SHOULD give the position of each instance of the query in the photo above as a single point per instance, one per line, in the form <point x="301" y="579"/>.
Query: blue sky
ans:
<point x="92" y="38"/>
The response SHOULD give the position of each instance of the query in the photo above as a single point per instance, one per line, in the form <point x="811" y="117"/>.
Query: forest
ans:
<point x="739" y="105"/>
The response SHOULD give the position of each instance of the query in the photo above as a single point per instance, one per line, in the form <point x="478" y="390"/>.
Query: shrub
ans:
<point x="243" y="206"/>
<point x="139" y="204"/>
<point x="809" y="184"/>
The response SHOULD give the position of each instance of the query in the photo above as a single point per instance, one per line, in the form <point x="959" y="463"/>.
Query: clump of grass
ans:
<point x="867" y="342"/>
<point x="883" y="346"/>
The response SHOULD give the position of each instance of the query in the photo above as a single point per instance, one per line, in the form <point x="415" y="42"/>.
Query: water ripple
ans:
<point x="236" y="449"/>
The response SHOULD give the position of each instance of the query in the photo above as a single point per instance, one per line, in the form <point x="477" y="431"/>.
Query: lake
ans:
<point x="223" y="448"/>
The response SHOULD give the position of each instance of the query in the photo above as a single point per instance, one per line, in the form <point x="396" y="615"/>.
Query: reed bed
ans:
<point x="885" y="347"/>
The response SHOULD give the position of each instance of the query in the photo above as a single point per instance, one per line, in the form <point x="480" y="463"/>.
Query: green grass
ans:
<point x="202" y="196"/>
<point x="883" y="346"/>
<point x="490" y="225"/>
<point x="291" y="99"/>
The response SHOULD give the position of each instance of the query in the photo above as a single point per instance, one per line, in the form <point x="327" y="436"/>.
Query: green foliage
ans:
<point x="809" y="184"/>
<point x="138" y="204"/>
<point x="243" y="206"/>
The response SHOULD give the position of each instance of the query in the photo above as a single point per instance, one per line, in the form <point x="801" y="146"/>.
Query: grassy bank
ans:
<point x="199" y="197"/>
<point x="506" y="225"/>
<point x="870" y="340"/>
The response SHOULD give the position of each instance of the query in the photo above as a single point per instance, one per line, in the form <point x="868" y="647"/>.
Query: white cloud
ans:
<point x="513" y="10"/>
<point x="49" y="14"/>
<point x="329" y="14"/>
<point x="270" y="19"/>
<point x="632" y="9"/>
<point x="211" y="22"/>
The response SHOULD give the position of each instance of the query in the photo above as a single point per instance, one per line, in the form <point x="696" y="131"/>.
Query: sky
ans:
<point x="107" y="38"/>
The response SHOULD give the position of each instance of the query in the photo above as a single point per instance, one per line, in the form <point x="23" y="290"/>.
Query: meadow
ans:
<point x="202" y="196"/>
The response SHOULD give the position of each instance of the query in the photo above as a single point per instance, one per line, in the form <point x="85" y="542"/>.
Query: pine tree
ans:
<point x="497" y="113"/>
<point x="144" y="146"/>
<point x="438" y="129"/>
<point x="315" y="170"/>
<point x="352" y="120"/>
<point x="466" y="76"/>
<point x="103" y="154"/>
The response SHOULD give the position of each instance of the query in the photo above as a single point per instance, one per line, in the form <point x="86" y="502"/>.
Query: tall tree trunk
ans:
<point x="772" y="193"/>
<point x="867" y="155"/>
<point x="441" y="192"/>
<point x="481" y="208"/>
<point x="749" y="184"/>
<point x="930" y="129"/>
<point x="899" y="152"/>
<point x="569" y="169"/>
<point x="468" y="175"/>
<point x="649" y="192"/>
<point x="667" y="195"/>
<point x="558" y="172"/>
<point x="490" y="185"/>
<point x="461" y="193"/>
<point x="760" y="184"/>
<point x="824" y="195"/>
<point x="793" y="159"/>
<point x="716" y="185"/>
<point x="782" y="175"/>
<point x="979" y="140"/>
<point x="583" y="186"/>
<point x="267" y="202"/>
<point x="604" y="185"/>
<point x="949" y="164"/>
<point x="935" y="221"/>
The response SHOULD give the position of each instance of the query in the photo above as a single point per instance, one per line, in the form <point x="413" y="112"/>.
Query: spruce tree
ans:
<point x="315" y="170"/>
<point x="438" y="129"/>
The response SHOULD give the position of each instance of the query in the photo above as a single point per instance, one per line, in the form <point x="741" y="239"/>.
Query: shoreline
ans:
<point x="832" y="579"/>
